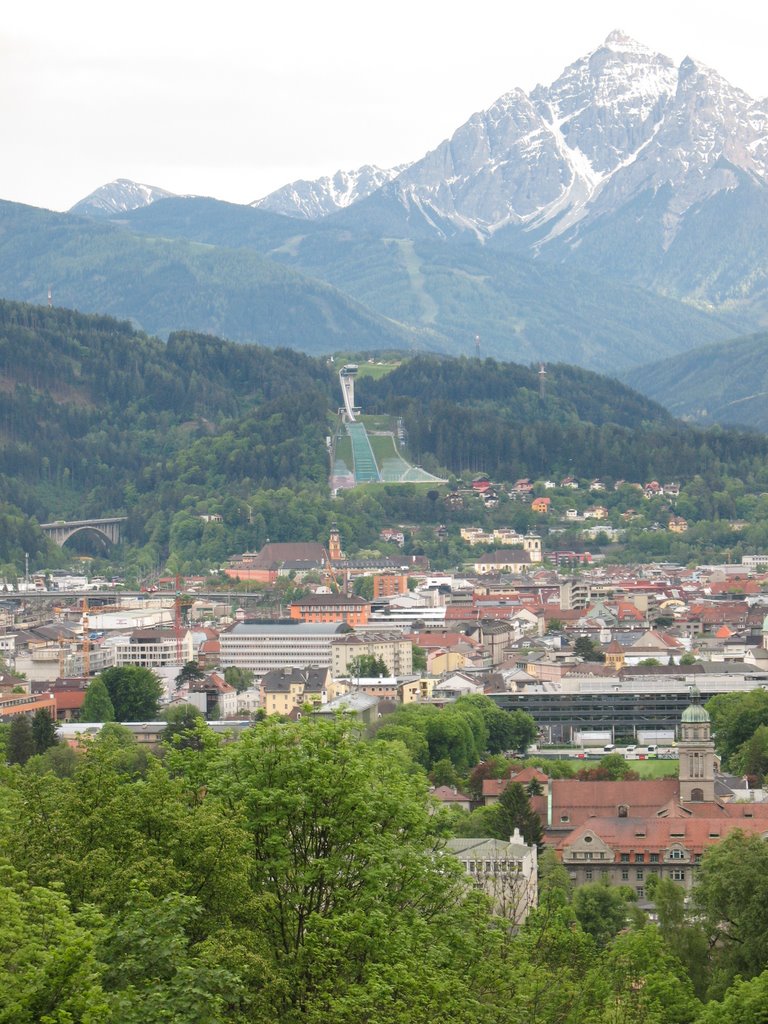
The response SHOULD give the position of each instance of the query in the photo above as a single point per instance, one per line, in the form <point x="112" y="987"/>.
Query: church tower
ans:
<point x="532" y="544"/>
<point x="334" y="545"/>
<point x="697" y="753"/>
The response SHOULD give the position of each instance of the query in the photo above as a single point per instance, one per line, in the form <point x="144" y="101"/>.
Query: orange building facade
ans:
<point x="389" y="584"/>
<point x="355" y="611"/>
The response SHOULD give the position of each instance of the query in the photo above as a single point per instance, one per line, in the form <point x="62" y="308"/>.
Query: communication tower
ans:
<point x="542" y="380"/>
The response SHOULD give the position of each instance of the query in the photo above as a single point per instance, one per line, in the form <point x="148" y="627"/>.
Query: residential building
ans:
<point x="360" y="706"/>
<point x="283" y="690"/>
<point x="388" y="584"/>
<point x="507" y="872"/>
<point x="393" y="648"/>
<point x="152" y="648"/>
<point x="213" y="696"/>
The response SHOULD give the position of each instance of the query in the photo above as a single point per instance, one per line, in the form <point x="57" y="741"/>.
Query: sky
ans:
<point x="232" y="101"/>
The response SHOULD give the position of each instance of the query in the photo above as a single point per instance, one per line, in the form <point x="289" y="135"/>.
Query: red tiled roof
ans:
<point x="68" y="699"/>
<point x="580" y="800"/>
<point x="625" y="835"/>
<point x="448" y="795"/>
<point x="495" y="787"/>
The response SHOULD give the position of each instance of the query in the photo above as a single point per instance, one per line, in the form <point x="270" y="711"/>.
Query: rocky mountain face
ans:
<point x="618" y="215"/>
<point x="314" y="199"/>
<point x="119" y="196"/>
<point x="618" y="122"/>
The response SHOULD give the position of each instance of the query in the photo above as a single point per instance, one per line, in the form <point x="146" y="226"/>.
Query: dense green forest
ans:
<point x="725" y="383"/>
<point x="297" y="874"/>
<point x="99" y="419"/>
<point x="489" y="416"/>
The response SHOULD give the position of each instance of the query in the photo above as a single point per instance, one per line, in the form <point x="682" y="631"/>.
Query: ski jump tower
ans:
<point x="347" y="376"/>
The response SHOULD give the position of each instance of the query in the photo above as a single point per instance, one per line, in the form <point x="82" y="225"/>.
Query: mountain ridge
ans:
<point x="616" y="167"/>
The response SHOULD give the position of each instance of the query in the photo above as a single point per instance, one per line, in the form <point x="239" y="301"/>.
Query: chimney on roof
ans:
<point x="516" y="837"/>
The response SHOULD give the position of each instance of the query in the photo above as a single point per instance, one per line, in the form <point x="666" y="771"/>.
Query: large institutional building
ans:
<point x="262" y="646"/>
<point x="626" y="832"/>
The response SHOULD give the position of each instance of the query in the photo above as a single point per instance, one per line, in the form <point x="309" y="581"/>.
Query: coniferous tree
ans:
<point x="97" y="706"/>
<point x="21" y="742"/>
<point x="514" y="811"/>
<point x="43" y="730"/>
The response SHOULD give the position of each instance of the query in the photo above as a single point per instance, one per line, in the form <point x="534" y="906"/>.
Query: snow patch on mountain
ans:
<point x="619" y="122"/>
<point x="119" y="196"/>
<point x="314" y="199"/>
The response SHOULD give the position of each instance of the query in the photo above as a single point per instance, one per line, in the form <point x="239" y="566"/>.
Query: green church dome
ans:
<point x="695" y="712"/>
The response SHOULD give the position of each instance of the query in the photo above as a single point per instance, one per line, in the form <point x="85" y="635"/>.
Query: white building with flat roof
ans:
<point x="260" y="647"/>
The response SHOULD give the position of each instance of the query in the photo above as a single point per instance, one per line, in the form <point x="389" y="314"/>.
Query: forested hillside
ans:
<point x="99" y="419"/>
<point x="724" y="383"/>
<point x="166" y="285"/>
<point x="491" y="417"/>
<point x="453" y="287"/>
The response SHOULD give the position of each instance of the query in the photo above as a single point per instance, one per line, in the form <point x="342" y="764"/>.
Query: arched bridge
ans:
<point x="60" y="532"/>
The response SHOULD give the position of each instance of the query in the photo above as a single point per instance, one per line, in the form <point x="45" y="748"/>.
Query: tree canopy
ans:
<point x="134" y="691"/>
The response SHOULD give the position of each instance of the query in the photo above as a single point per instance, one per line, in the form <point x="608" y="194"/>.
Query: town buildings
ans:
<point x="262" y="646"/>
<point x="506" y="871"/>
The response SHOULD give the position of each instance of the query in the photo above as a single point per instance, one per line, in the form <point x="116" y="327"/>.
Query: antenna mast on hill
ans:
<point x="50" y="296"/>
<point x="477" y="345"/>
<point x="542" y="380"/>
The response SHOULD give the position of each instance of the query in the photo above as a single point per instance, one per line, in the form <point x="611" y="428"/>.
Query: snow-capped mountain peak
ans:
<point x="313" y="199"/>
<point x="618" y="121"/>
<point x="119" y="196"/>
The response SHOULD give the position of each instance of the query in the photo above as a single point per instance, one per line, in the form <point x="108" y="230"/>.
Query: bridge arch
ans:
<point x="108" y="529"/>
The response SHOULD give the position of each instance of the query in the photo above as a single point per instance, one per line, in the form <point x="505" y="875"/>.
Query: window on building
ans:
<point x="677" y="874"/>
<point x="639" y="874"/>
<point x="625" y="858"/>
<point x="625" y="874"/>
<point x="640" y="892"/>
<point x="639" y="858"/>
<point x="588" y="874"/>
<point x="676" y="854"/>
<point x="654" y="858"/>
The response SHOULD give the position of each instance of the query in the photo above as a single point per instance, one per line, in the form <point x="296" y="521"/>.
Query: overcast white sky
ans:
<point x="232" y="102"/>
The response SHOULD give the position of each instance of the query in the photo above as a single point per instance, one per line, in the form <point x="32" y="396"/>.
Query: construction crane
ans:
<point x="338" y="588"/>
